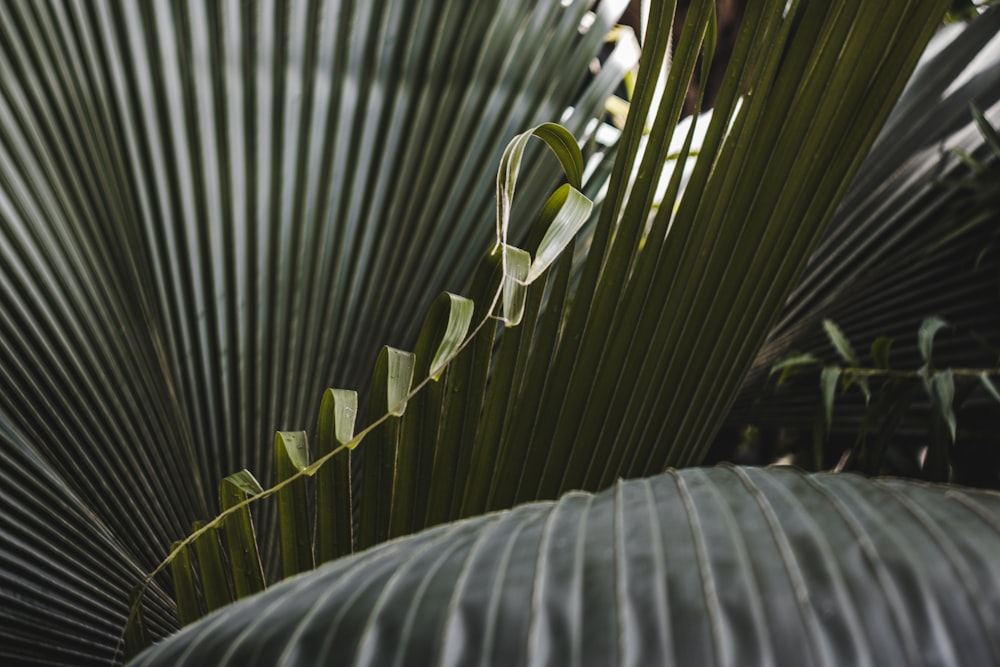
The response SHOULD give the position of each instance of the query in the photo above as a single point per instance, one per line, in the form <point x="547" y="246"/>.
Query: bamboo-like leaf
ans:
<point x="291" y="455"/>
<point x="790" y="364"/>
<point x="508" y="362"/>
<point x="769" y="555"/>
<point x="943" y="387"/>
<point x="516" y="459"/>
<point x="880" y="352"/>
<point x="840" y="343"/>
<point x="828" y="378"/>
<point x="990" y="387"/>
<point x="925" y="336"/>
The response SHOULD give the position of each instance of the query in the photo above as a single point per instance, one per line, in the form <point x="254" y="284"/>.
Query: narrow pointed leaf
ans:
<point x="442" y="333"/>
<point x="943" y="385"/>
<point x="840" y="343"/>
<point x="880" y="352"/>
<point x="990" y="387"/>
<point x="828" y="390"/>
<point x="925" y="336"/>
<point x="792" y="363"/>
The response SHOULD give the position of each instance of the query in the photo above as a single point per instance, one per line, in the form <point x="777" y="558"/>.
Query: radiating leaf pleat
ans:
<point x="391" y="383"/>
<point x="334" y="534"/>
<point x="189" y="608"/>
<point x="212" y="571"/>
<point x="460" y="415"/>
<point x="291" y="455"/>
<point x="240" y="535"/>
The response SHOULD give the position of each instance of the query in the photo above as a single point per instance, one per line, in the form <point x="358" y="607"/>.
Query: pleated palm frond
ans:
<point x="209" y="213"/>
<point x="624" y="370"/>
<point x="700" y="566"/>
<point x="900" y="249"/>
<point x="574" y="397"/>
<point x="630" y="367"/>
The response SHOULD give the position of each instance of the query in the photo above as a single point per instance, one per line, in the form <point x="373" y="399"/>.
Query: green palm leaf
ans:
<point x="210" y="212"/>
<point x="891" y="258"/>
<point x="694" y="567"/>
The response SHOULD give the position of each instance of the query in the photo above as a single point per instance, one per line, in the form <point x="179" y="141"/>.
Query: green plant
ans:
<point x="889" y="394"/>
<point x="698" y="566"/>
<point x="636" y="378"/>
<point x="912" y="237"/>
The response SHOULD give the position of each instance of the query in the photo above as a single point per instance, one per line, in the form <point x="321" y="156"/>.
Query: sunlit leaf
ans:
<point x="563" y="215"/>
<point x="460" y="312"/>
<point x="515" y="291"/>
<point x="245" y="482"/>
